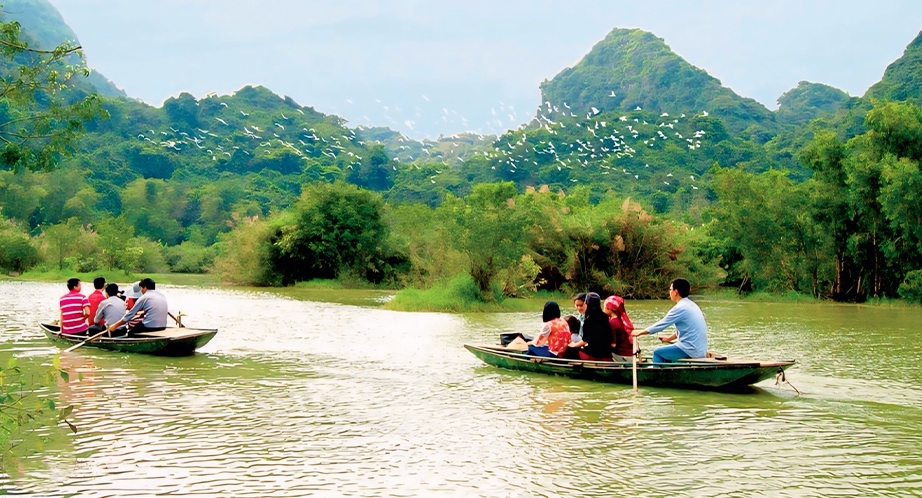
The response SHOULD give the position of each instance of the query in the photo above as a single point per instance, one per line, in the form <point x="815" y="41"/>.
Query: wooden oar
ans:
<point x="68" y="350"/>
<point x="175" y="319"/>
<point x="634" y="363"/>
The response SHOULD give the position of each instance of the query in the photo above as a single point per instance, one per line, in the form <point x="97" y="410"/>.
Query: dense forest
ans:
<point x="637" y="167"/>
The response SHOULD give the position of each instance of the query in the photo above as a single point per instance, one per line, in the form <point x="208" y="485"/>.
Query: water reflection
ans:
<point x="294" y="398"/>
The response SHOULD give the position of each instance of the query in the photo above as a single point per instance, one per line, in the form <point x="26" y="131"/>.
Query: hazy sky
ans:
<point x="430" y="68"/>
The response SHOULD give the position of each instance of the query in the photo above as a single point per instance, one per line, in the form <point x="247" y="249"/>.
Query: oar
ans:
<point x="634" y="362"/>
<point x="175" y="319"/>
<point x="68" y="350"/>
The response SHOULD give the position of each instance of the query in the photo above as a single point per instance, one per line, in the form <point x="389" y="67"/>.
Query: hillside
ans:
<point x="902" y="80"/>
<point x="44" y="28"/>
<point x="809" y="101"/>
<point x="632" y="68"/>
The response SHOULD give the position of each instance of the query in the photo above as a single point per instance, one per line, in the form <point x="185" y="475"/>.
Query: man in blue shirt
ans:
<point x="691" y="334"/>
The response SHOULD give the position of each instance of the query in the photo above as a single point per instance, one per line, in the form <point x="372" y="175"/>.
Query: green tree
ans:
<point x="333" y="228"/>
<point x="16" y="251"/>
<point x="38" y="122"/>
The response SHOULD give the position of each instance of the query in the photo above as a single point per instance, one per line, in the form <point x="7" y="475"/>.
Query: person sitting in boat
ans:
<point x="554" y="337"/>
<point x="74" y="309"/>
<point x="575" y="325"/>
<point x="691" y="333"/>
<point x="579" y="302"/>
<point x="154" y="306"/>
<point x="596" y="342"/>
<point x="110" y="310"/>
<point x="621" y="328"/>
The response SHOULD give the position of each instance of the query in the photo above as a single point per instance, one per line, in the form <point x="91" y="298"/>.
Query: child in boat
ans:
<point x="621" y="328"/>
<point x="555" y="334"/>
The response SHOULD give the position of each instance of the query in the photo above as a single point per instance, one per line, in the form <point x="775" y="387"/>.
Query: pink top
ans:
<point x="72" y="319"/>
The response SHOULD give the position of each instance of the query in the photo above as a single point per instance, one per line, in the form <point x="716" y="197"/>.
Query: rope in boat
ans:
<point x="781" y="379"/>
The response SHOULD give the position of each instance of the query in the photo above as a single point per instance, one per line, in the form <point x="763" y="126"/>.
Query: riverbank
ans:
<point x="453" y="297"/>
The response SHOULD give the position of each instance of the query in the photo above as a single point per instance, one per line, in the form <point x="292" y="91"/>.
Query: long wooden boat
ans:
<point x="172" y="341"/>
<point x="706" y="373"/>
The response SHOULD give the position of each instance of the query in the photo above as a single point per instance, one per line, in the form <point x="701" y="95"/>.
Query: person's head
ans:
<point x="679" y="289"/>
<point x="73" y="284"/>
<point x="551" y="311"/>
<point x="133" y="291"/>
<point x="593" y="303"/>
<point x="613" y="305"/>
<point x="574" y="324"/>
<point x="580" y="303"/>
<point x="99" y="283"/>
<point x="147" y="284"/>
<point x="112" y="290"/>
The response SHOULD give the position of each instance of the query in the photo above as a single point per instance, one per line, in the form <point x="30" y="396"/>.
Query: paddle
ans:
<point x="68" y="350"/>
<point x="175" y="319"/>
<point x="634" y="362"/>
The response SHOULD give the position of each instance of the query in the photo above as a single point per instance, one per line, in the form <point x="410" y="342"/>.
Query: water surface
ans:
<point x="296" y="398"/>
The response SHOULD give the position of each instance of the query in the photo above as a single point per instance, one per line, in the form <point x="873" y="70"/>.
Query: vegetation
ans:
<point x="673" y="174"/>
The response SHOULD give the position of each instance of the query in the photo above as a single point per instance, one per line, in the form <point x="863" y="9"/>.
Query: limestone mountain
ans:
<point x="902" y="79"/>
<point x="633" y="68"/>
<point x="808" y="101"/>
<point x="43" y="27"/>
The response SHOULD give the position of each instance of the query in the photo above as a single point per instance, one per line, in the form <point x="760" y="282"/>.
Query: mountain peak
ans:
<point x="903" y="78"/>
<point x="633" y="68"/>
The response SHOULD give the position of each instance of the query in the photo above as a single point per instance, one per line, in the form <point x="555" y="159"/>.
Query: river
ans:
<point x="301" y="398"/>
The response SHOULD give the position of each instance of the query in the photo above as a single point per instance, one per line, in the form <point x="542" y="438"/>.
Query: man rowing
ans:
<point x="691" y="333"/>
<point x="154" y="307"/>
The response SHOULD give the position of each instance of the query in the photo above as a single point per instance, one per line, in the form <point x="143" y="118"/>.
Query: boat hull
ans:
<point x="170" y="342"/>
<point x="703" y="374"/>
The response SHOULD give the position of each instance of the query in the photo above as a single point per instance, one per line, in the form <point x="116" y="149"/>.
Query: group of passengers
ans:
<point x="602" y="331"/>
<point x="107" y="309"/>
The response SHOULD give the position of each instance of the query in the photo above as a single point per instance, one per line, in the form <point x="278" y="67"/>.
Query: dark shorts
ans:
<point x="137" y="329"/>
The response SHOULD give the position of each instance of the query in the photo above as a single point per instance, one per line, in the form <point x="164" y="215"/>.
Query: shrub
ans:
<point x="911" y="287"/>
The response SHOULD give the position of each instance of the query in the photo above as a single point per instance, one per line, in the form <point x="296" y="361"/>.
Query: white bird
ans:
<point x="245" y="114"/>
<point x="222" y="121"/>
<point x="612" y="94"/>
<point x="222" y="103"/>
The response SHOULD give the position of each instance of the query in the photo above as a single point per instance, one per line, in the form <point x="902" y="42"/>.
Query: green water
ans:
<point x="297" y="398"/>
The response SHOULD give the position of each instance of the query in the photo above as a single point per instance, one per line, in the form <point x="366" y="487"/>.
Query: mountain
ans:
<point x="43" y="27"/>
<point x="632" y="68"/>
<point x="809" y="101"/>
<point x="902" y="79"/>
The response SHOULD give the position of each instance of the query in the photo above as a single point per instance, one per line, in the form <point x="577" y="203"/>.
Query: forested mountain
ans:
<point x="902" y="79"/>
<point x="633" y="68"/>
<point x="809" y="101"/>
<point x="630" y="151"/>
<point x="44" y="28"/>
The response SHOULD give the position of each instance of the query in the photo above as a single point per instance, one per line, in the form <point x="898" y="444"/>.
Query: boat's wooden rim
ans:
<point x="690" y="362"/>
<point x="168" y="334"/>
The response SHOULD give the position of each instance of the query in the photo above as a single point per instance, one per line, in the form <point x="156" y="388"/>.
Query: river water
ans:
<point x="298" y="398"/>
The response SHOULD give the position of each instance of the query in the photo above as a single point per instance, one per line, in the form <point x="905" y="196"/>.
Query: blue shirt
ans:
<point x="155" y="309"/>
<point x="692" y="332"/>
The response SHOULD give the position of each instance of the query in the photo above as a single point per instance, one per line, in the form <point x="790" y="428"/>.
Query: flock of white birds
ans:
<point x="608" y="137"/>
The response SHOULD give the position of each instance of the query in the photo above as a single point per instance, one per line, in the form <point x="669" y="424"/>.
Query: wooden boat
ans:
<point x="172" y="341"/>
<point x="705" y="373"/>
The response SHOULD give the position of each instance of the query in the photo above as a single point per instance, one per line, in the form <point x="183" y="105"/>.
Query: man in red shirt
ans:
<point x="99" y="283"/>
<point x="75" y="308"/>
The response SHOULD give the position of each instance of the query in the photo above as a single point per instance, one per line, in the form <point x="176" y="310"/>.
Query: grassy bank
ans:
<point x="192" y="279"/>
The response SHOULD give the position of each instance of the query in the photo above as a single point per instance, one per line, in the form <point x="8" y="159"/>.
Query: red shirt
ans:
<point x="95" y="298"/>
<point x="559" y="337"/>
<point x="72" y="319"/>
<point x="621" y="341"/>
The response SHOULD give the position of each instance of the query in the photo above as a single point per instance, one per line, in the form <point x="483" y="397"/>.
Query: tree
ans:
<point x="490" y="231"/>
<point x="38" y="122"/>
<point x="331" y="229"/>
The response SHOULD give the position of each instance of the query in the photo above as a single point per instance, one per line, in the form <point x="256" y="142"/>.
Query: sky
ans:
<point x="431" y="68"/>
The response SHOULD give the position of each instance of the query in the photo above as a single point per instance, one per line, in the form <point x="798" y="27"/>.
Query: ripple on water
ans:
<point x="297" y="398"/>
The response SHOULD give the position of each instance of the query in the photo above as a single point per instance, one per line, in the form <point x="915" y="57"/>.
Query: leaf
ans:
<point x="65" y="376"/>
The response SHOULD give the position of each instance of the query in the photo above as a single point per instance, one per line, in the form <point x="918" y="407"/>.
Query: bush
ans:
<point x="16" y="251"/>
<point x="911" y="287"/>
<point x="190" y="257"/>
<point x="458" y="294"/>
